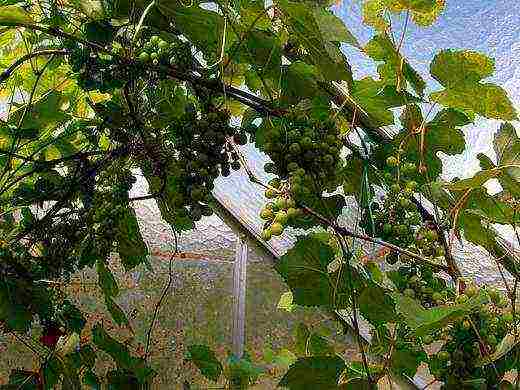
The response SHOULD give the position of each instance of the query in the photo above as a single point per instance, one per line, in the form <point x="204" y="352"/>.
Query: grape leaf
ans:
<point x="377" y="306"/>
<point x="320" y="373"/>
<point x="442" y="134"/>
<point x="106" y="280"/>
<point x="310" y="343"/>
<point x="305" y="269"/>
<point x="424" y="321"/>
<point x="299" y="81"/>
<point x="461" y="73"/>
<point x="325" y="55"/>
<point x="121" y="355"/>
<point x="395" y="70"/>
<point x="375" y="98"/>
<point x="12" y="14"/>
<point x="23" y="380"/>
<point x="206" y="361"/>
<point x="130" y="245"/>
<point x="423" y="12"/>
<point x="42" y="114"/>
<point x="405" y="360"/>
<point x="118" y="315"/>
<point x="203" y="27"/>
<point x="507" y="147"/>
<point x="332" y="28"/>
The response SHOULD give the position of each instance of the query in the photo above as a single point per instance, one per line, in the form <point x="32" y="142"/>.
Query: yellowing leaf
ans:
<point x="461" y="72"/>
<point x="13" y="14"/>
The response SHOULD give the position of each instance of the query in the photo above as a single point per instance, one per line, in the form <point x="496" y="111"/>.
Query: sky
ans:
<point x="488" y="26"/>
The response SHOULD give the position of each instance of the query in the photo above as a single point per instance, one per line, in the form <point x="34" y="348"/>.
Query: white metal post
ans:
<point x="239" y="297"/>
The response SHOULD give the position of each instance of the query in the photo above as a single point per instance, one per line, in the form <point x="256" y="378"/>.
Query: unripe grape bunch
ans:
<point x="468" y="341"/>
<point x="278" y="213"/>
<point x="397" y="219"/>
<point x="173" y="52"/>
<point x="205" y="151"/>
<point x="306" y="152"/>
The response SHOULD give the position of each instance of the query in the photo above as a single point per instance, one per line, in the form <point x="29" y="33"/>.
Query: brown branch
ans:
<point x="343" y="231"/>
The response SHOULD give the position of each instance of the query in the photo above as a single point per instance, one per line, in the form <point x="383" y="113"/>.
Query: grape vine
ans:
<point x="98" y="93"/>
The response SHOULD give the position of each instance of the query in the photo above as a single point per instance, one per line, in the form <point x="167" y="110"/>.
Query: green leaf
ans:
<point x="106" y="280"/>
<point x="428" y="18"/>
<point x="121" y="355"/>
<point x="51" y="372"/>
<point x="377" y="306"/>
<point x="94" y="9"/>
<point x="376" y="99"/>
<point x="406" y="361"/>
<point x="260" y="48"/>
<point x="118" y="315"/>
<point x="177" y="218"/>
<point x="332" y="28"/>
<point x="284" y="358"/>
<point x="424" y="321"/>
<point x="320" y="373"/>
<point x="357" y="384"/>
<point x="72" y="317"/>
<point x="442" y="134"/>
<point x="300" y="81"/>
<point x="423" y="12"/>
<point x="414" y="5"/>
<point x="395" y="70"/>
<point x="305" y="269"/>
<point x="203" y="27"/>
<point x="90" y="379"/>
<point x="353" y="183"/>
<point x="12" y="14"/>
<point x="461" y="73"/>
<point x="44" y="113"/>
<point x="374" y="14"/>
<point x="242" y="372"/>
<point x="122" y="380"/>
<point x="325" y="55"/>
<point x="301" y="335"/>
<point x="131" y="247"/>
<point x="507" y="149"/>
<point x="206" y="361"/>
<point x="14" y="305"/>
<point x="24" y="380"/>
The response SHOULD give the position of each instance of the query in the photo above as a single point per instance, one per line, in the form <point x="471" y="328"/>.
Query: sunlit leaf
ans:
<point x="461" y="73"/>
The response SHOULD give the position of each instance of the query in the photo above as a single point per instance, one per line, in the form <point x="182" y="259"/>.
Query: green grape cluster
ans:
<point x="103" y="219"/>
<point x="457" y="361"/>
<point x="205" y="151"/>
<point x="95" y="71"/>
<point x="397" y="219"/>
<point x="174" y="52"/>
<point x="421" y="283"/>
<point x="305" y="151"/>
<point x="278" y="213"/>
